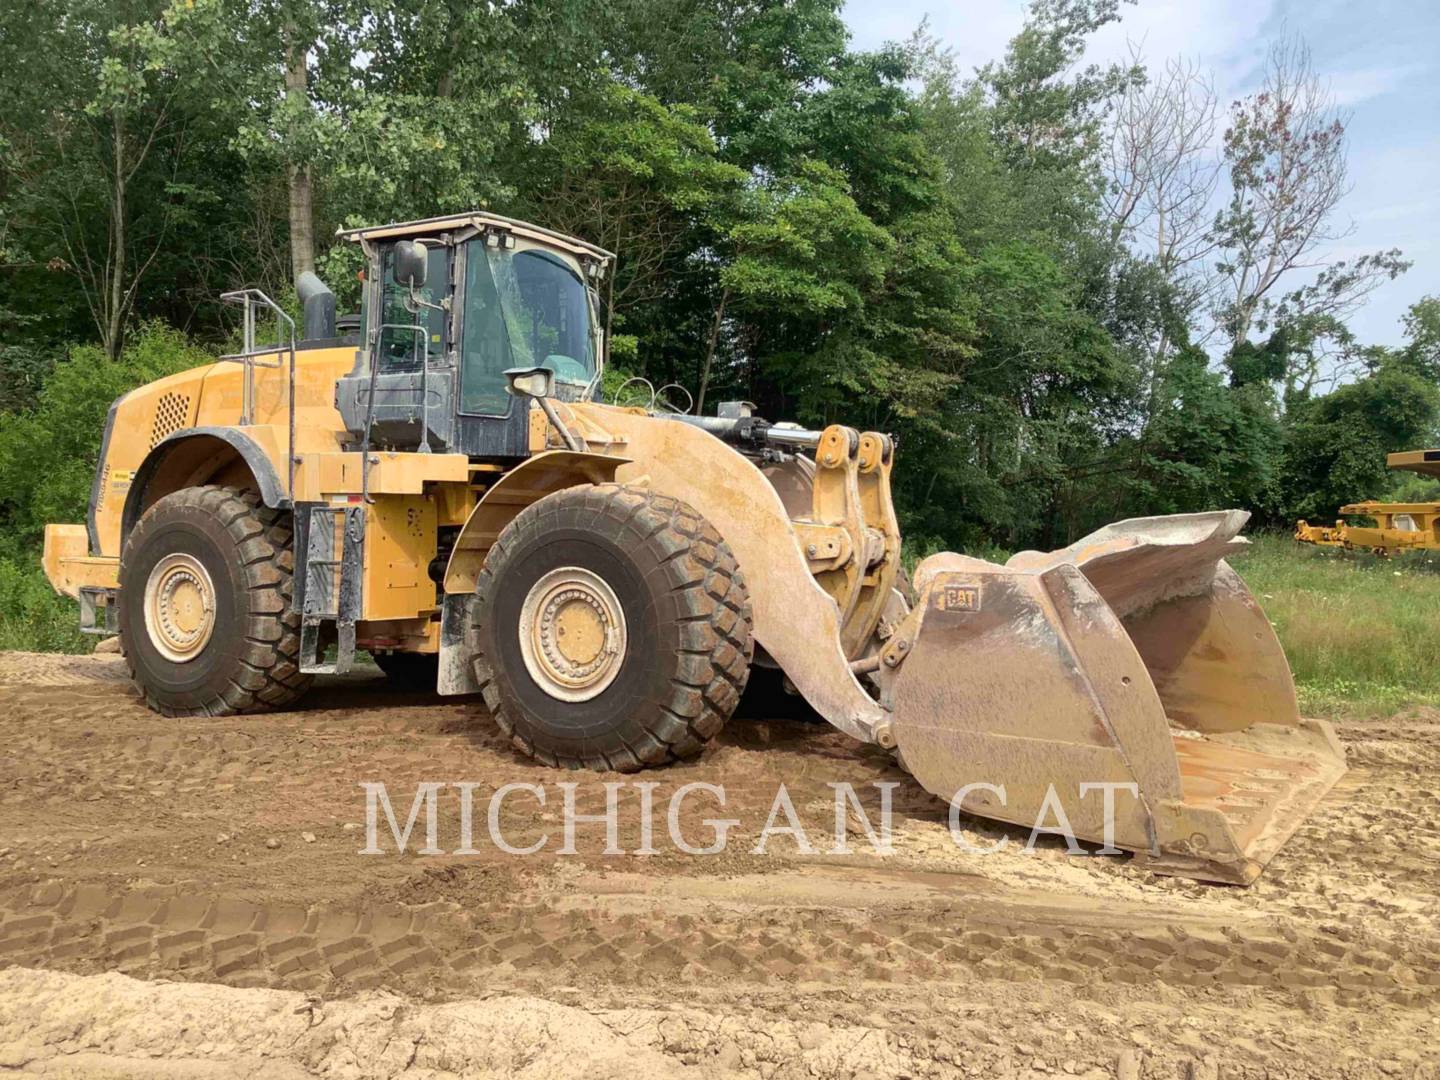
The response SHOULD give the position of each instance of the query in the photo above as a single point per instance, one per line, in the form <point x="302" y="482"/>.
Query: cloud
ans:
<point x="1361" y="84"/>
<point x="1224" y="35"/>
<point x="1404" y="212"/>
<point x="978" y="33"/>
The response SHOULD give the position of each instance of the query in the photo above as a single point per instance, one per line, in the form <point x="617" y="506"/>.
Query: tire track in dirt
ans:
<point x="185" y="931"/>
<point x="136" y="843"/>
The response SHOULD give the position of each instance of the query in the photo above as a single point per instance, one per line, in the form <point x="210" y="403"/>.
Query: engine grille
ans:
<point x="172" y="412"/>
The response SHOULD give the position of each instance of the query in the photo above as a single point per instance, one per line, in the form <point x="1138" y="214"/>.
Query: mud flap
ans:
<point x="457" y="652"/>
<point x="1132" y="668"/>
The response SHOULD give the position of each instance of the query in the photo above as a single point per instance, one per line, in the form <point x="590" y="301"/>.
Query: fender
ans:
<point x="267" y="479"/>
<point x="538" y="476"/>
<point x="92" y="526"/>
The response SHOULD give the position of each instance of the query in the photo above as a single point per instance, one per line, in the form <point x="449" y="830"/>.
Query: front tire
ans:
<point x="611" y="629"/>
<point x="205" y="619"/>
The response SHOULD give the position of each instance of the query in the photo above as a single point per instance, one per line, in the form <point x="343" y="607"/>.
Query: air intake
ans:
<point x="172" y="413"/>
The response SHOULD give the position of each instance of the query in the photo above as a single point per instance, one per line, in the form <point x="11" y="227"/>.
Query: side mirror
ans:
<point x="411" y="264"/>
<point x="537" y="382"/>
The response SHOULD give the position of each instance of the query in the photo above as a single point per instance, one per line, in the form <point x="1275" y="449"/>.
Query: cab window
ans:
<point x="524" y="308"/>
<point x="400" y="348"/>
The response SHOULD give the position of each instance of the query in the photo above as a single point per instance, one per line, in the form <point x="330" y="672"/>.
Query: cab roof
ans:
<point x="478" y="219"/>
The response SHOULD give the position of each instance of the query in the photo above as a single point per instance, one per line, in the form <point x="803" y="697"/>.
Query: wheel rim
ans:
<point x="179" y="607"/>
<point x="572" y="634"/>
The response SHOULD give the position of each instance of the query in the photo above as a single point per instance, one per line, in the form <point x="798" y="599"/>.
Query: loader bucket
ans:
<point x="1135" y="658"/>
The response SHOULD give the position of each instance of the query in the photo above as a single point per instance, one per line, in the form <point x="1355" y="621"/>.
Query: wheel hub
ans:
<point x="179" y="607"/>
<point x="572" y="634"/>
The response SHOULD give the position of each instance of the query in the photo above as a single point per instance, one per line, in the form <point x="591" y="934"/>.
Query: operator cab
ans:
<point x="448" y="306"/>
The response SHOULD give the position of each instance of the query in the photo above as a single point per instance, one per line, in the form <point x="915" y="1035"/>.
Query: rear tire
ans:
<point x="205" y="619"/>
<point x="658" y="623"/>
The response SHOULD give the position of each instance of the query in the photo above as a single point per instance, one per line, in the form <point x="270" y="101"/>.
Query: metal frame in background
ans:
<point x="1399" y="527"/>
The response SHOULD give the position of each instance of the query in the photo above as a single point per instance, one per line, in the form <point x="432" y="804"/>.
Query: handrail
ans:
<point x="249" y="358"/>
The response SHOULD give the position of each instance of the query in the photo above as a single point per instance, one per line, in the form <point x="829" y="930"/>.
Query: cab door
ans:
<point x="490" y="422"/>
<point x="411" y="355"/>
<point x="522" y="306"/>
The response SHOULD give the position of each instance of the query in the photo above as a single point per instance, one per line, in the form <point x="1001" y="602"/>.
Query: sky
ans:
<point x="1379" y="58"/>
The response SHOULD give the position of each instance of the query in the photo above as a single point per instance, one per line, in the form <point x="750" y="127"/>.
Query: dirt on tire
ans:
<point x="687" y="664"/>
<point x="251" y="662"/>
<point x="206" y="874"/>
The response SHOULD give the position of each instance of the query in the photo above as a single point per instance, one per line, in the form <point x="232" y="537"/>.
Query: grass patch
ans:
<point x="1360" y="631"/>
<point x="33" y="618"/>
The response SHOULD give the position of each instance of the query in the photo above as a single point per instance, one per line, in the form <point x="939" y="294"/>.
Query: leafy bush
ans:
<point x="1407" y="487"/>
<point x="48" y="455"/>
<point x="33" y="617"/>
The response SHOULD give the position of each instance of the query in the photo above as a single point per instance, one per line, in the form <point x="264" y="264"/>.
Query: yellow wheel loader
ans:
<point x="446" y="490"/>
<point x="1398" y="527"/>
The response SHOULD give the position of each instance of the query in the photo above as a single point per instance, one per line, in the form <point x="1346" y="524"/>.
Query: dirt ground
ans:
<point x="185" y="899"/>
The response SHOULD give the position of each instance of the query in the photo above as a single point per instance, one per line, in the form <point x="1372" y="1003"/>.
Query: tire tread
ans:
<point x="715" y="622"/>
<point x="270" y="656"/>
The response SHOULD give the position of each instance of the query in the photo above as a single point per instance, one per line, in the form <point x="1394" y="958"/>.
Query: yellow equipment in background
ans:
<point x="1398" y="526"/>
<point x="446" y="490"/>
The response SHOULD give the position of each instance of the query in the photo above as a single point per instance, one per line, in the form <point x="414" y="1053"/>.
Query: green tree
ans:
<point x="1210" y="444"/>
<point x="1047" y="111"/>
<point x="800" y="255"/>
<point x="1336" y="444"/>
<point x="1421" y="353"/>
<point x="369" y="112"/>
<point x="48" y="453"/>
<point x="97" y="142"/>
<point x="636" y="177"/>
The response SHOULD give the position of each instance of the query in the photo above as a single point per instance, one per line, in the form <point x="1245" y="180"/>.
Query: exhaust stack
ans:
<point x="318" y="304"/>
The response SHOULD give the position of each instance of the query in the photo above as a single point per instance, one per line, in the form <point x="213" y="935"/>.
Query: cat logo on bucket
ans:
<point x="958" y="596"/>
